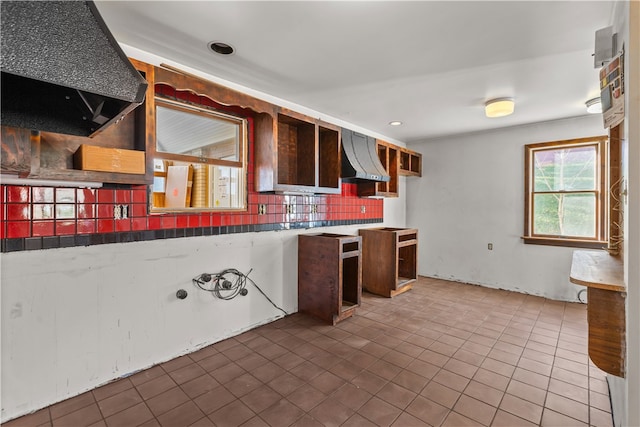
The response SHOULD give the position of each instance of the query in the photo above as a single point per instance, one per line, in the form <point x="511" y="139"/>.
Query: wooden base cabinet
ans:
<point x="389" y="260"/>
<point x="329" y="275"/>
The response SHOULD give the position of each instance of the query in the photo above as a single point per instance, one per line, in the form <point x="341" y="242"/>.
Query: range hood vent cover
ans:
<point x="360" y="159"/>
<point x="62" y="69"/>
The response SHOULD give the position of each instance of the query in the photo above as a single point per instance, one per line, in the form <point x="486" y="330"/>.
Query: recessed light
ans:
<point x="395" y="123"/>
<point x="594" y="106"/>
<point x="221" y="48"/>
<point x="499" y="107"/>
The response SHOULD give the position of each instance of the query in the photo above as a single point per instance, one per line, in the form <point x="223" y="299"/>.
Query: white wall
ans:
<point x="471" y="194"/>
<point x="75" y="318"/>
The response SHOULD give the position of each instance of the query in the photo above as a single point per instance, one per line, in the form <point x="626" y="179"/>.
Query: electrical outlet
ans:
<point x="262" y="209"/>
<point x="117" y="212"/>
<point x="363" y="209"/>
<point x="490" y="246"/>
<point x="120" y="211"/>
<point x="314" y="209"/>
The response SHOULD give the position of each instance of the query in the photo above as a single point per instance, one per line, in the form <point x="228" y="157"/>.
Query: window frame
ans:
<point x="600" y="240"/>
<point x="240" y="164"/>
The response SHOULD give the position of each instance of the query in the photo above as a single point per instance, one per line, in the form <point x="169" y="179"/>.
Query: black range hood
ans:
<point x="62" y="69"/>
<point x="360" y="159"/>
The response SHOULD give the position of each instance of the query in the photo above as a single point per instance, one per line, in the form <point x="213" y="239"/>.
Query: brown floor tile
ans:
<point x="411" y="381"/>
<point x="554" y="419"/>
<point x="379" y="412"/>
<point x="570" y="391"/>
<point x="369" y="381"/>
<point x="396" y="395"/>
<point x="505" y="419"/>
<point x="307" y="421"/>
<point x="451" y="380"/>
<point x="521" y="408"/>
<point x="306" y="397"/>
<point x="441" y="394"/>
<point x="156" y="386"/>
<point x="133" y="416"/>
<point x="243" y="384"/>
<point x="331" y="412"/>
<point x="71" y="405"/>
<point x="427" y="411"/>
<point x="82" y="417"/>
<point x="167" y="400"/>
<point x="286" y="383"/>
<point x="351" y="396"/>
<point x="213" y="400"/>
<point x="119" y="402"/>
<point x="484" y="393"/>
<point x="357" y="420"/>
<point x="568" y="407"/>
<point x="261" y="398"/>
<point x="531" y="378"/>
<point x="475" y="409"/>
<point x="281" y="413"/>
<point x="456" y="420"/>
<point x="527" y="392"/>
<point x="183" y="415"/>
<point x="199" y="385"/>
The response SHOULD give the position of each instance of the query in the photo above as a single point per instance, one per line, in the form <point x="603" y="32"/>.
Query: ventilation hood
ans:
<point x="360" y="159"/>
<point x="62" y="70"/>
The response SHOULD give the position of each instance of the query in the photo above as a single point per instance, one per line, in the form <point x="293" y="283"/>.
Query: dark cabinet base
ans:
<point x="329" y="275"/>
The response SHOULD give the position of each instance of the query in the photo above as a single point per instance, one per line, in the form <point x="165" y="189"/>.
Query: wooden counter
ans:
<point x="603" y="275"/>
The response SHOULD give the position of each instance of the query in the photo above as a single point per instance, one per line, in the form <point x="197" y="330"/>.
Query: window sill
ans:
<point x="571" y="243"/>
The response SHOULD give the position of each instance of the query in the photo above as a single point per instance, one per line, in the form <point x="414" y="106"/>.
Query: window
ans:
<point x="565" y="197"/>
<point x="199" y="161"/>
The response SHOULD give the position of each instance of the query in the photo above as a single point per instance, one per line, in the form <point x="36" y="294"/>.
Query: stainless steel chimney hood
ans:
<point x="62" y="70"/>
<point x="360" y="159"/>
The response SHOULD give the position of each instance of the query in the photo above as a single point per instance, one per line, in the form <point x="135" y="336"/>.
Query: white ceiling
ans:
<point x="430" y="64"/>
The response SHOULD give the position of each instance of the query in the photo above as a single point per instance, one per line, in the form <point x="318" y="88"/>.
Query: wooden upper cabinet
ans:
<point x="48" y="155"/>
<point x="296" y="153"/>
<point x="389" y="157"/>
<point x="410" y="163"/>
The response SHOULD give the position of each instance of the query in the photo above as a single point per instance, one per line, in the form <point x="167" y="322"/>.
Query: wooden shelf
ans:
<point x="296" y="154"/>
<point x="603" y="275"/>
<point x="329" y="275"/>
<point x="410" y="163"/>
<point x="389" y="259"/>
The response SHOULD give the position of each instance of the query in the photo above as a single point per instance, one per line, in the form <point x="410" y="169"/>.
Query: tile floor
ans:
<point x="442" y="354"/>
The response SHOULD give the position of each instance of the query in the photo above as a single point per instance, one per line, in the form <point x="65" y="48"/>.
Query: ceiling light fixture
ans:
<point x="594" y="106"/>
<point x="499" y="107"/>
<point x="221" y="48"/>
<point x="395" y="123"/>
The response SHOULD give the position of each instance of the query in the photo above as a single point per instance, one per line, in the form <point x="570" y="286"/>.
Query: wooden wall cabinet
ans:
<point x="388" y="154"/>
<point x="389" y="259"/>
<point x="329" y="275"/>
<point x="51" y="155"/>
<point x="410" y="163"/>
<point x="298" y="154"/>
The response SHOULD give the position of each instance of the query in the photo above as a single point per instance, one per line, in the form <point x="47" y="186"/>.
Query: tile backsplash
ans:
<point x="47" y="217"/>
